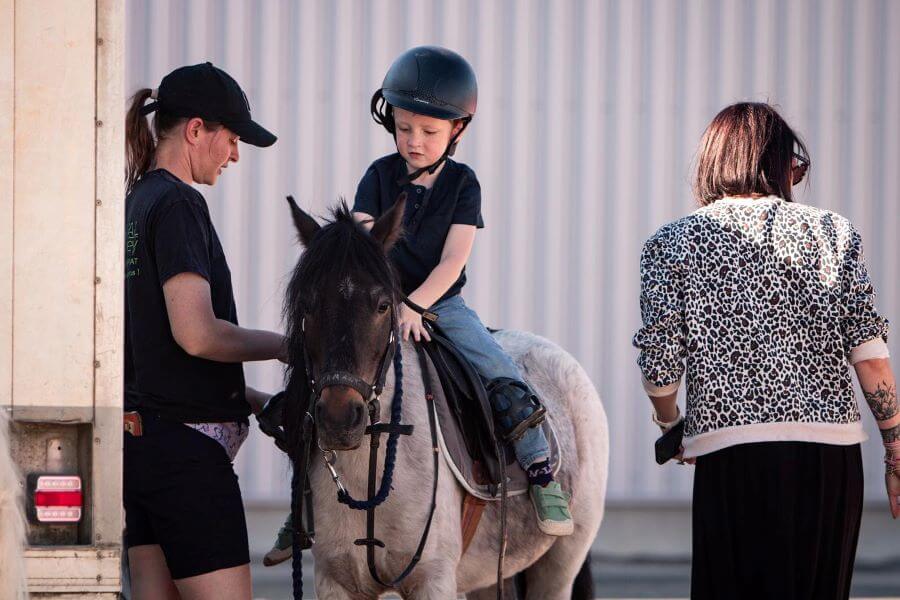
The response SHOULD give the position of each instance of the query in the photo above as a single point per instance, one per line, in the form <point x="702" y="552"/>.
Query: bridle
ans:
<point x="370" y="392"/>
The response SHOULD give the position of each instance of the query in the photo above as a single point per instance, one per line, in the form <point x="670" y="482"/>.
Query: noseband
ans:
<point x="370" y="392"/>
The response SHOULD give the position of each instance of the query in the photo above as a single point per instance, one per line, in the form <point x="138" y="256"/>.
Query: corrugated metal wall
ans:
<point x="588" y="120"/>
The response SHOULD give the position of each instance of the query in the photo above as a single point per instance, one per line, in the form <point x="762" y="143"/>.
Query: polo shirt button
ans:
<point x="417" y="205"/>
<point x="418" y="190"/>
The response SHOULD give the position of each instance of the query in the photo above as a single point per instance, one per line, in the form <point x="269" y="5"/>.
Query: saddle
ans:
<point x="466" y="425"/>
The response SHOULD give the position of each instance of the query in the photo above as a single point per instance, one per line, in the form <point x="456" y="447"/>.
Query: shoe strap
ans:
<point x="552" y="499"/>
<point x="555" y="503"/>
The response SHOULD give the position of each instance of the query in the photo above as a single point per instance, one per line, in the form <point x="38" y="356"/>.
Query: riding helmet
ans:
<point x="427" y="80"/>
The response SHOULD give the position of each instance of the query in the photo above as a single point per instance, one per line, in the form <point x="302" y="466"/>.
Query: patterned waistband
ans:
<point x="229" y="435"/>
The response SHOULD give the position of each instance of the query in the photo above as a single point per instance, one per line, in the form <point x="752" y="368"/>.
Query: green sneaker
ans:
<point x="283" y="548"/>
<point x="552" y="507"/>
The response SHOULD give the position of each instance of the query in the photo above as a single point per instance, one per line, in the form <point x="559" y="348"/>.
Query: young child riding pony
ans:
<point x="426" y="101"/>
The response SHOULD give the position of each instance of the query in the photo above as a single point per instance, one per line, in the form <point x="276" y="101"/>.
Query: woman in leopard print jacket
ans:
<point x="764" y="304"/>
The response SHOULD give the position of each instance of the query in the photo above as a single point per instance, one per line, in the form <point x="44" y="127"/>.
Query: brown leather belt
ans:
<point x="133" y="423"/>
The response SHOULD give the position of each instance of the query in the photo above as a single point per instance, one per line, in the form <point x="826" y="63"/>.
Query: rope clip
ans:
<point x="330" y="457"/>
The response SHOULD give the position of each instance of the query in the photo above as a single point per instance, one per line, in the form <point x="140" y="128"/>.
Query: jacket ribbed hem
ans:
<point x="840" y="434"/>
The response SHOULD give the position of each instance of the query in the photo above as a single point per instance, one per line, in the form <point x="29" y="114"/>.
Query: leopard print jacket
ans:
<point x="760" y="302"/>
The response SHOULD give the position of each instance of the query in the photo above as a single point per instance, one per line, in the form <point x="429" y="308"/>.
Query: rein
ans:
<point x="302" y="539"/>
<point x="375" y="430"/>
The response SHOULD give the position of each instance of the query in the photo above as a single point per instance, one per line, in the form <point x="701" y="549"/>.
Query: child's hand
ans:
<point x="411" y="324"/>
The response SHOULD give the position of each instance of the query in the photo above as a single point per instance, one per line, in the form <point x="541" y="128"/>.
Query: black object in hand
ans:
<point x="669" y="443"/>
<point x="270" y="418"/>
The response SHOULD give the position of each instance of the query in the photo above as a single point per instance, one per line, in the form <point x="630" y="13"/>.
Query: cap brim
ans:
<point x="252" y="133"/>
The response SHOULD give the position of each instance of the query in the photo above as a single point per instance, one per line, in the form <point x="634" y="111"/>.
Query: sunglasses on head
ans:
<point x="798" y="171"/>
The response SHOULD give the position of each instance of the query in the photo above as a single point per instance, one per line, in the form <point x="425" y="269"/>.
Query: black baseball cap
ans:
<point x="210" y="93"/>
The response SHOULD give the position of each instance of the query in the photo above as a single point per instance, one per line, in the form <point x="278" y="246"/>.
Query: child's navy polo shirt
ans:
<point x="455" y="198"/>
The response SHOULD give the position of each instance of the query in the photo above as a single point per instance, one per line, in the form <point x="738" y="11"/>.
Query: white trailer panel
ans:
<point x="61" y="274"/>
<point x="53" y="258"/>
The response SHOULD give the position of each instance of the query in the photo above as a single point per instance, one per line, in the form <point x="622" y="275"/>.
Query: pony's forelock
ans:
<point x="343" y="246"/>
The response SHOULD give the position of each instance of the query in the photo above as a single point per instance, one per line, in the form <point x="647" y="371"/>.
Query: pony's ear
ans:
<point x="305" y="224"/>
<point x="389" y="227"/>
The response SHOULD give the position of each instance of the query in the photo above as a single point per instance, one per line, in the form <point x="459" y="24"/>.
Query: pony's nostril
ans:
<point x="359" y="413"/>
<point x="340" y="412"/>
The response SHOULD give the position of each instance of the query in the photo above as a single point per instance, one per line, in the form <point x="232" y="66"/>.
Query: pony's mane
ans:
<point x="340" y="248"/>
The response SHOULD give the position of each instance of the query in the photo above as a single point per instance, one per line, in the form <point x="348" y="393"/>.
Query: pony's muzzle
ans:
<point x="341" y="418"/>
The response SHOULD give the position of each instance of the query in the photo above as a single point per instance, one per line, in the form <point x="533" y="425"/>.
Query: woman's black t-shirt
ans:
<point x="169" y="231"/>
<point x="455" y="198"/>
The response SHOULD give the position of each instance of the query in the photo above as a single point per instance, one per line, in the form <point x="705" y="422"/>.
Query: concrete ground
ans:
<point x="612" y="579"/>
<point x="643" y="551"/>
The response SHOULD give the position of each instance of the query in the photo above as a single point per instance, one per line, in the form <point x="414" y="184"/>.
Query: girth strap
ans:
<point x="472" y="510"/>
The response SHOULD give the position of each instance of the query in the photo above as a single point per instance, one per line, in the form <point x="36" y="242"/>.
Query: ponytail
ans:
<point x="139" y="143"/>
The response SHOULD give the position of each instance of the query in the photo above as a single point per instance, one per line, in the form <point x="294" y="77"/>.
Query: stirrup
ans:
<point x="516" y="407"/>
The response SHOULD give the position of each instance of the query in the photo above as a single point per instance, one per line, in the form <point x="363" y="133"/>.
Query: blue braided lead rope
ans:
<point x="297" y="557"/>
<point x="390" y="456"/>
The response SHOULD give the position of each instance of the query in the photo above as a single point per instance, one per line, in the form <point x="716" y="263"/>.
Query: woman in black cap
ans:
<point x="186" y="401"/>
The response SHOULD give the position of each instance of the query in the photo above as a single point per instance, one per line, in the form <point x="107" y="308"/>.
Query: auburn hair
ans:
<point x="747" y="150"/>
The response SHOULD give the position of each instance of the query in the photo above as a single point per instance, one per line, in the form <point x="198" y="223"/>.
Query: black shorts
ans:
<point x="181" y="492"/>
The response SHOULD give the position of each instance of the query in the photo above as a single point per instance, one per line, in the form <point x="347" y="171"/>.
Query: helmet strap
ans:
<point x="382" y="113"/>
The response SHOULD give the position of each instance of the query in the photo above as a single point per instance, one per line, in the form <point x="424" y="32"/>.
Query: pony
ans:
<point x="340" y="310"/>
<point x="13" y="584"/>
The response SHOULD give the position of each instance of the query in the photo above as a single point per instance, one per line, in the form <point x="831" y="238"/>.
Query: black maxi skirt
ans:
<point x="776" y="520"/>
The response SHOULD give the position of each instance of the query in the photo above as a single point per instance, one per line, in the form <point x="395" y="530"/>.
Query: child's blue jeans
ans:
<point x="465" y="330"/>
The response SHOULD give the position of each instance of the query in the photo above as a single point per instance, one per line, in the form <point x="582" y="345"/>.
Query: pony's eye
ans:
<point x="383" y="307"/>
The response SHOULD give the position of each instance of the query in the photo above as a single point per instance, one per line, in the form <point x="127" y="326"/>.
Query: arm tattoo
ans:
<point x="883" y="402"/>
<point x="891" y="434"/>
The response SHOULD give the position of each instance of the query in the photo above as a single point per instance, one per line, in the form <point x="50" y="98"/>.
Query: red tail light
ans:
<point x="58" y="499"/>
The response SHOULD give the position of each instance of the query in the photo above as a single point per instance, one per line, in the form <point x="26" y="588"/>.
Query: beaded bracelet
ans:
<point x="665" y="426"/>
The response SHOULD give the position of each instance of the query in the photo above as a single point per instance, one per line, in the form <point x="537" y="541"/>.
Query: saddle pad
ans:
<point x="453" y="447"/>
